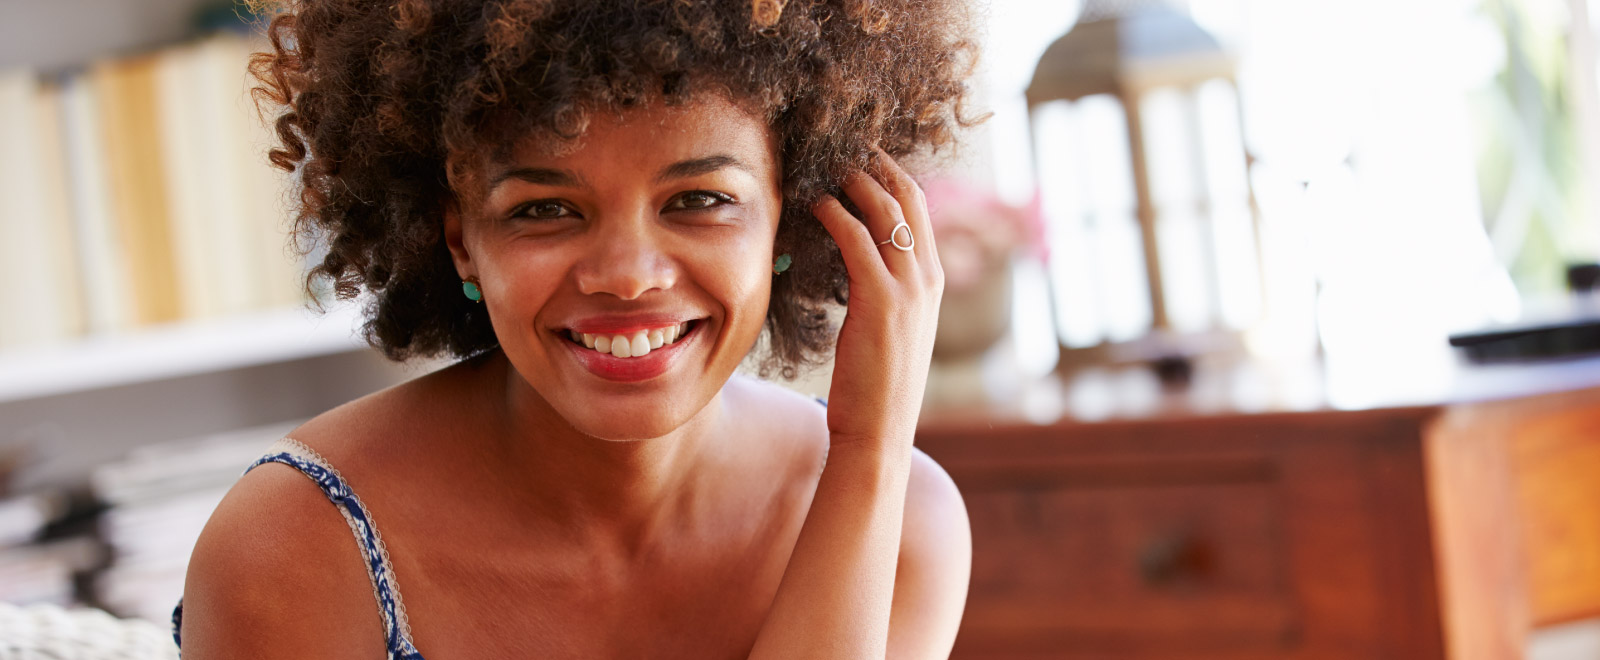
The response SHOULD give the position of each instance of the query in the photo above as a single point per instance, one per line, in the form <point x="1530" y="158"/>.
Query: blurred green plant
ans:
<point x="230" y="15"/>
<point x="1529" y="161"/>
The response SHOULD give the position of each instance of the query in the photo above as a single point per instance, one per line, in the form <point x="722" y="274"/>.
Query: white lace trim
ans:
<point x="300" y="450"/>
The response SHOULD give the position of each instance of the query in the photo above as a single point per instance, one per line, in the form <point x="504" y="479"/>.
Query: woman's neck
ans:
<point x="606" y="493"/>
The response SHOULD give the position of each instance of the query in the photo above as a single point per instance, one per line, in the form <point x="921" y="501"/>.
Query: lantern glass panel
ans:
<point x="1117" y="243"/>
<point x="1105" y="152"/>
<point x="1232" y="220"/>
<point x="1072" y="278"/>
<point x="1086" y="182"/>
<point x="1185" y="267"/>
<point x="1170" y="146"/>
<point x="1182" y="231"/>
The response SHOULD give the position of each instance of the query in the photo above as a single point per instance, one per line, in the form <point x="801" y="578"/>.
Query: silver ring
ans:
<point x="894" y="235"/>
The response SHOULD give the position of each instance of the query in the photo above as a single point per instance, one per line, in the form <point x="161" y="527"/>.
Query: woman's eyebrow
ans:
<point x="696" y="166"/>
<point x="547" y="176"/>
<point x="543" y="176"/>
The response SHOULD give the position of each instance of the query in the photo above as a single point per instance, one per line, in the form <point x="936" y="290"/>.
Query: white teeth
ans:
<point x="636" y="345"/>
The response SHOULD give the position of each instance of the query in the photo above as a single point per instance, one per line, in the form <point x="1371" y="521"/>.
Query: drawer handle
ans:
<point x="1174" y="558"/>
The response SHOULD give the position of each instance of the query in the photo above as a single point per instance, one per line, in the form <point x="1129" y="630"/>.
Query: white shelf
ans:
<point x="178" y="350"/>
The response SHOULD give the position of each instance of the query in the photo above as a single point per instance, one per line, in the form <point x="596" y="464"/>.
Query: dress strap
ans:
<point x="397" y="630"/>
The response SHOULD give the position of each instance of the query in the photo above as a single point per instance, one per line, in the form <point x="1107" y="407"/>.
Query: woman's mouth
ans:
<point x="634" y="355"/>
<point x="631" y="345"/>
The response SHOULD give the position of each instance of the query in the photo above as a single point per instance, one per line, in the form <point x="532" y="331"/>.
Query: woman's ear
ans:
<point x="454" y="239"/>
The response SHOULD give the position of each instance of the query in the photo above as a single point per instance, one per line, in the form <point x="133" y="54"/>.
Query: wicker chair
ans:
<point x="51" y="632"/>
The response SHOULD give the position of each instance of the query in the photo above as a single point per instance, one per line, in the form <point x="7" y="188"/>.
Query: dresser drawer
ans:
<point x="1148" y="563"/>
<point x="1288" y="536"/>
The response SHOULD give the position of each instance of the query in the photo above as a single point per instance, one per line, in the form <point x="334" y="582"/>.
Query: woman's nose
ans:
<point x="625" y="258"/>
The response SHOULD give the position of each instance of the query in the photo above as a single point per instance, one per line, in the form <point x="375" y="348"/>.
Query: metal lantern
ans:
<point x="1169" y="184"/>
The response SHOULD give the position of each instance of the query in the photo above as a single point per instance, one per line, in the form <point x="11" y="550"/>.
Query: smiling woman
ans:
<point x="619" y="189"/>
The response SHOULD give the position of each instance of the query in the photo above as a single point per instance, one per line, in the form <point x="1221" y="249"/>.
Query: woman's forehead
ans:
<point x="655" y="134"/>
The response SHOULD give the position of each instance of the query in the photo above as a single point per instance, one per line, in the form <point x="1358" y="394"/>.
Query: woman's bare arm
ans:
<point x="834" y="600"/>
<point x="836" y="596"/>
<point x="930" y="580"/>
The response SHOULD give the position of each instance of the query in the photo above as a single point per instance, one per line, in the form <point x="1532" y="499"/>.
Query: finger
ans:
<point x="882" y="213"/>
<point x="913" y="203"/>
<point x="861" y="260"/>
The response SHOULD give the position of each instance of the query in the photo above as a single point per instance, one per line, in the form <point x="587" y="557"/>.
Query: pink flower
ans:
<point x="975" y="229"/>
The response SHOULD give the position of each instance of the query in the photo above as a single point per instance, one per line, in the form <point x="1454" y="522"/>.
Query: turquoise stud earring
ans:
<point x="469" y="286"/>
<point x="782" y="263"/>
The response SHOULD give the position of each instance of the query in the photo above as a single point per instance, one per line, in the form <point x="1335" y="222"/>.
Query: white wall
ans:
<point x="54" y="34"/>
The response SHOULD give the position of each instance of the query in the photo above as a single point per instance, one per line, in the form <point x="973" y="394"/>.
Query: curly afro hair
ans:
<point x="376" y="102"/>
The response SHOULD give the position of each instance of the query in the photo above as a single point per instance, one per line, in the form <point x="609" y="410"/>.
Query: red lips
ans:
<point x="630" y="369"/>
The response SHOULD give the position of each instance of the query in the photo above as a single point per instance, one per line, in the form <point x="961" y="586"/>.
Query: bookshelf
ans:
<point x="176" y="350"/>
<point x="160" y="301"/>
<point x="151" y="312"/>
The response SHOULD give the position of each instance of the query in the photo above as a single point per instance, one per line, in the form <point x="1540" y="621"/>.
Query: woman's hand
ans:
<point x="886" y="342"/>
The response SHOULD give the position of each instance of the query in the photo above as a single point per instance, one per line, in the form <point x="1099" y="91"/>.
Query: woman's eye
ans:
<point x="698" y="199"/>
<point x="544" y="210"/>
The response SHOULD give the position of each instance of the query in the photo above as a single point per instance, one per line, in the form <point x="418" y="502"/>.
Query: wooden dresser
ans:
<point x="1413" y="533"/>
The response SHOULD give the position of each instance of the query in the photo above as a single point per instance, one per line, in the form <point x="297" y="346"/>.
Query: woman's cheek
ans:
<point x="743" y="255"/>
<point x="740" y="271"/>
<point x="527" y="274"/>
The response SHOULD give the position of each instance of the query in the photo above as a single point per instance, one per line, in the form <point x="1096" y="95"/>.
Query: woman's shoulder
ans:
<point x="771" y="397"/>
<point x="262" y="581"/>
<point x="781" y="415"/>
<point x="276" y="564"/>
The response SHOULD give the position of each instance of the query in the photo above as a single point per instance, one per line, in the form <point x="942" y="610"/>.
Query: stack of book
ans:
<point x="135" y="192"/>
<point x="158" y="499"/>
<point x="34" y="570"/>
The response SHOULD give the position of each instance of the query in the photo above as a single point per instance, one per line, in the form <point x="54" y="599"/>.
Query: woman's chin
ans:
<point x="625" y="426"/>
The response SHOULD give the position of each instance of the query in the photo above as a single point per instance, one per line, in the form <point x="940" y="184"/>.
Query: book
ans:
<point x="194" y="199"/>
<point x="270" y="187"/>
<point x="66" y="299"/>
<point x="238" y="173"/>
<point x="108" y="300"/>
<point x="38" y="279"/>
<point x="132" y="141"/>
<point x="138" y="192"/>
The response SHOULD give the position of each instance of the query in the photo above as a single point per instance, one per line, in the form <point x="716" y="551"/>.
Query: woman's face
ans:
<point x="659" y="223"/>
